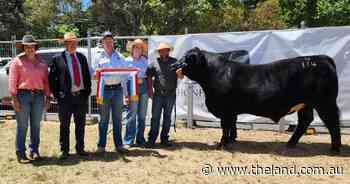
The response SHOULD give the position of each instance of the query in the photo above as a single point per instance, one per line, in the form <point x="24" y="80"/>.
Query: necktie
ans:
<point x="76" y="73"/>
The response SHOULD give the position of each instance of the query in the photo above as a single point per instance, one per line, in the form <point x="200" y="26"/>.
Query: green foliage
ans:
<point x="267" y="15"/>
<point x="52" y="18"/>
<point x="333" y="13"/>
<point x="316" y="12"/>
<point x="11" y="19"/>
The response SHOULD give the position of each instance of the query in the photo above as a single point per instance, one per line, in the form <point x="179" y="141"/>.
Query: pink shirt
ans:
<point x="24" y="74"/>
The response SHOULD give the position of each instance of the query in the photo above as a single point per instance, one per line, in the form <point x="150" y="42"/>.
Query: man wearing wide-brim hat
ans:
<point x="70" y="83"/>
<point x="164" y="84"/>
<point x="29" y="88"/>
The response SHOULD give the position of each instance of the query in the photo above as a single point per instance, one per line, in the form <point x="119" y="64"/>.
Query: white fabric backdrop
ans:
<point x="264" y="47"/>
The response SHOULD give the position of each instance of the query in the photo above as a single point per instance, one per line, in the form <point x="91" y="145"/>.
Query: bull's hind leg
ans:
<point x="330" y="116"/>
<point x="233" y="132"/>
<point x="305" y="117"/>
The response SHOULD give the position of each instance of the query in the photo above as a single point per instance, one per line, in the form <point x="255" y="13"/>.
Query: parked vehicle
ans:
<point x="46" y="55"/>
<point x="4" y="61"/>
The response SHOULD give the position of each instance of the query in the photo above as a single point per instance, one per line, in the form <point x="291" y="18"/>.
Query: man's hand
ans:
<point x="16" y="105"/>
<point x="127" y="100"/>
<point x="47" y="103"/>
<point x="179" y="73"/>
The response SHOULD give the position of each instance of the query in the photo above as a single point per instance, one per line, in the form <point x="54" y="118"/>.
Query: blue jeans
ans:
<point x="112" y="101"/>
<point x="137" y="110"/>
<point x="159" y="104"/>
<point x="32" y="106"/>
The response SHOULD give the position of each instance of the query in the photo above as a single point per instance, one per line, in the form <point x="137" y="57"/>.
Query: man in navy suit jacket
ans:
<point x="70" y="83"/>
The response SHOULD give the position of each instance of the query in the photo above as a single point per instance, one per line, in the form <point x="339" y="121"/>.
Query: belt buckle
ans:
<point x="140" y="81"/>
<point x="76" y="93"/>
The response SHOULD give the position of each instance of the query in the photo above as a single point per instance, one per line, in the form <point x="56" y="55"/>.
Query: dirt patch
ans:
<point x="193" y="159"/>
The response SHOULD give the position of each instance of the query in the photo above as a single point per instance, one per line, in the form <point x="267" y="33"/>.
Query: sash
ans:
<point x="122" y="74"/>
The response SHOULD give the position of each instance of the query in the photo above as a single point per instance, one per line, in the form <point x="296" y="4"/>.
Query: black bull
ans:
<point x="268" y="90"/>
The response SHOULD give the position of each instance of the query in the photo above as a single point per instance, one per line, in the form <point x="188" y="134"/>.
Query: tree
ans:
<point x="41" y="16"/>
<point x="316" y="13"/>
<point x="333" y="13"/>
<point x="120" y="16"/>
<point x="267" y="15"/>
<point x="11" y="19"/>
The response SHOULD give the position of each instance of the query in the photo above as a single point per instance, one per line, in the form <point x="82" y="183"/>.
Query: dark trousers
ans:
<point x="76" y="106"/>
<point x="161" y="103"/>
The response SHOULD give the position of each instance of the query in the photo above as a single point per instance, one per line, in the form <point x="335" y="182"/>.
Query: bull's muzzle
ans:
<point x="177" y="65"/>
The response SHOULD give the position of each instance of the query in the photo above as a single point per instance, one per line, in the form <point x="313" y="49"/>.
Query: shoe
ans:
<point x="64" y="155"/>
<point x="101" y="150"/>
<point x="82" y="153"/>
<point x="149" y="145"/>
<point x="121" y="150"/>
<point x="166" y="144"/>
<point x="141" y="145"/>
<point x="22" y="158"/>
<point x="34" y="156"/>
<point x="127" y="146"/>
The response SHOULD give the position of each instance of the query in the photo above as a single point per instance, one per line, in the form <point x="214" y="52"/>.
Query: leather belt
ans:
<point x="31" y="91"/>
<point x="114" y="86"/>
<point x="76" y="93"/>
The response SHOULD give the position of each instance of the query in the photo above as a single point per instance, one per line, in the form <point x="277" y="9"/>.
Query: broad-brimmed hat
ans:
<point x="27" y="40"/>
<point x="138" y="42"/>
<point x="69" y="36"/>
<point x="162" y="46"/>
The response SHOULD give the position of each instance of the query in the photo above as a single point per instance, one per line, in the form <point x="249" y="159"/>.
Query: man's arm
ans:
<point x="54" y="83"/>
<point x="150" y="73"/>
<point x="88" y="76"/>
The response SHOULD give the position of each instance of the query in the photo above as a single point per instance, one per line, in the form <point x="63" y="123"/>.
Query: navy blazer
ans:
<point x="59" y="77"/>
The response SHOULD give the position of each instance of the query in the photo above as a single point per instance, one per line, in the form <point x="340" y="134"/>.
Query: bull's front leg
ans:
<point x="226" y="124"/>
<point x="233" y="132"/>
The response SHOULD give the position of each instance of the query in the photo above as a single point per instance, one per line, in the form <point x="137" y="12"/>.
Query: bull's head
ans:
<point x="192" y="64"/>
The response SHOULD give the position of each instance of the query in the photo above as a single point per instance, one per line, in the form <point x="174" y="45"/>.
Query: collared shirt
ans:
<point x="70" y="67"/>
<point x="24" y="74"/>
<point x="165" y="80"/>
<point x="103" y="60"/>
<point x="141" y="63"/>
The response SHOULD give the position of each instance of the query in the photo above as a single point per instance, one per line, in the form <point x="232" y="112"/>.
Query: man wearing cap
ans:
<point x="164" y="83"/>
<point x="29" y="88"/>
<point x="70" y="83"/>
<point x="113" y="95"/>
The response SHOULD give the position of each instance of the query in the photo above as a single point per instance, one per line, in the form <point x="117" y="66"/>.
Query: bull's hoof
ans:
<point x="335" y="151"/>
<point x="225" y="146"/>
<point x="232" y="140"/>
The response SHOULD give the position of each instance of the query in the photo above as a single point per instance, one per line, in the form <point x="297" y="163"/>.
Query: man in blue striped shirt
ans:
<point x="113" y="95"/>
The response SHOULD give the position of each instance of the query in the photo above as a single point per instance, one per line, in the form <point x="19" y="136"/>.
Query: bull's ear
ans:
<point x="196" y="49"/>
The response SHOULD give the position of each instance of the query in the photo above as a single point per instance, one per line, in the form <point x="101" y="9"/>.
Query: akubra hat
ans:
<point x="162" y="46"/>
<point x="27" y="40"/>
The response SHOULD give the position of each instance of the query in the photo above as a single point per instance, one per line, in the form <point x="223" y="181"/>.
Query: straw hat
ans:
<point x="138" y="42"/>
<point x="69" y="36"/>
<point x="27" y="40"/>
<point x="162" y="46"/>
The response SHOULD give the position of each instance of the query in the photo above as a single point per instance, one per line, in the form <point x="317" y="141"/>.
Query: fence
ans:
<point x="89" y="46"/>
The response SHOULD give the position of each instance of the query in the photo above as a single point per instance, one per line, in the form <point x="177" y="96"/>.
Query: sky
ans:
<point x="86" y="3"/>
